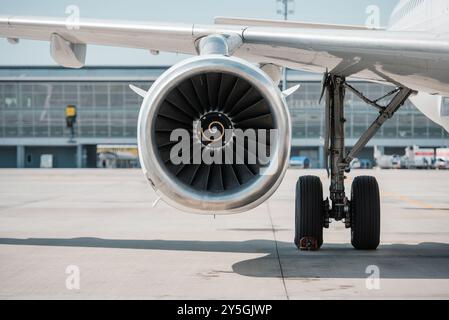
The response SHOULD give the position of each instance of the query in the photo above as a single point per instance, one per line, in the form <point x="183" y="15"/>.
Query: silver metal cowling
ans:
<point x="195" y="197"/>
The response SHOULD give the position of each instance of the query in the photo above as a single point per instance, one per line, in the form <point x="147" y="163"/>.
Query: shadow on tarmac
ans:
<point x="395" y="261"/>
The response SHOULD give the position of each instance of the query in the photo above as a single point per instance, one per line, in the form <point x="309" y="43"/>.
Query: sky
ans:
<point x="191" y="11"/>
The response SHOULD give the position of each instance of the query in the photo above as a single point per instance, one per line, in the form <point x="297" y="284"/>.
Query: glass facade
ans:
<point x="109" y="109"/>
<point x="33" y="103"/>
<point x="445" y="108"/>
<point x="308" y="121"/>
<point x="37" y="109"/>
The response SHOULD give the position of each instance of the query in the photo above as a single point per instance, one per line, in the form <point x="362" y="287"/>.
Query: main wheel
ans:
<point x="309" y="213"/>
<point x="365" y="213"/>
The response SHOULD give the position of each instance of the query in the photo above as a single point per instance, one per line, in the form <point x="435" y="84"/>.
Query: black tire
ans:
<point x="365" y="213"/>
<point x="309" y="211"/>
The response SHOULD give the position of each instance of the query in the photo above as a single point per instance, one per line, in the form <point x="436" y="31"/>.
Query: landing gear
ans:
<point x="362" y="212"/>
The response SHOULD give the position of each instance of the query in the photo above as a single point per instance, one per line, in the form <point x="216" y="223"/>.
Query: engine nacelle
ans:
<point x="215" y="101"/>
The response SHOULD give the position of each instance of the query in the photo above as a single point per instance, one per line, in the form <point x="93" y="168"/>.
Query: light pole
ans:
<point x="285" y="7"/>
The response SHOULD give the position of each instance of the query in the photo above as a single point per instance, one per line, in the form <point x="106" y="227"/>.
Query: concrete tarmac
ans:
<point x="100" y="224"/>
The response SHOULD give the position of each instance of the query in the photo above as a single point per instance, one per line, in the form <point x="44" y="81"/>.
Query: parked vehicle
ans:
<point x="300" y="162"/>
<point x="441" y="164"/>
<point x="361" y="164"/>
<point x="389" y="162"/>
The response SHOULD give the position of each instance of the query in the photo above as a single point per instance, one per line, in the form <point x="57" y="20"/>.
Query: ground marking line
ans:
<point x="410" y="201"/>
<point x="277" y="251"/>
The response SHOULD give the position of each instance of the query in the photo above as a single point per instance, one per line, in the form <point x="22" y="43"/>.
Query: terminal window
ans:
<point x="445" y="107"/>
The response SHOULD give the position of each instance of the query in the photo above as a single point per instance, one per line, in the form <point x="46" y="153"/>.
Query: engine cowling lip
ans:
<point x="182" y="197"/>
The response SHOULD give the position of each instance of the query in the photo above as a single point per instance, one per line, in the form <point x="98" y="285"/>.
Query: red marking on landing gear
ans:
<point x="308" y="244"/>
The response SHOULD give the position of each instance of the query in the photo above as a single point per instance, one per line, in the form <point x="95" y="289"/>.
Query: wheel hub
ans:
<point x="212" y="129"/>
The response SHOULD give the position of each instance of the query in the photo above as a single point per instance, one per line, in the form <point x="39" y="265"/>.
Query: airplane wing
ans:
<point x="343" y="50"/>
<point x="417" y="60"/>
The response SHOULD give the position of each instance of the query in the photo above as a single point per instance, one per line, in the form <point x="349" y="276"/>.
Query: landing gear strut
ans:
<point x="362" y="212"/>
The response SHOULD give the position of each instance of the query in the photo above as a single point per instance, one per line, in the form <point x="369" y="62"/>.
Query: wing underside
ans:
<point x="354" y="51"/>
<point x="285" y="24"/>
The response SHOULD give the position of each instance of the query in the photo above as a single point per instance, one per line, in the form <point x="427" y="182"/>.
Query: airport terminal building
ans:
<point x="33" y="103"/>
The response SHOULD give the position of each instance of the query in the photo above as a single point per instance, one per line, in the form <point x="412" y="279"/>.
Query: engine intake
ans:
<point x="215" y="100"/>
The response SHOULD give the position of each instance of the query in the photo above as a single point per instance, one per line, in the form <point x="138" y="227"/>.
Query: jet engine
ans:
<point x="203" y="102"/>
